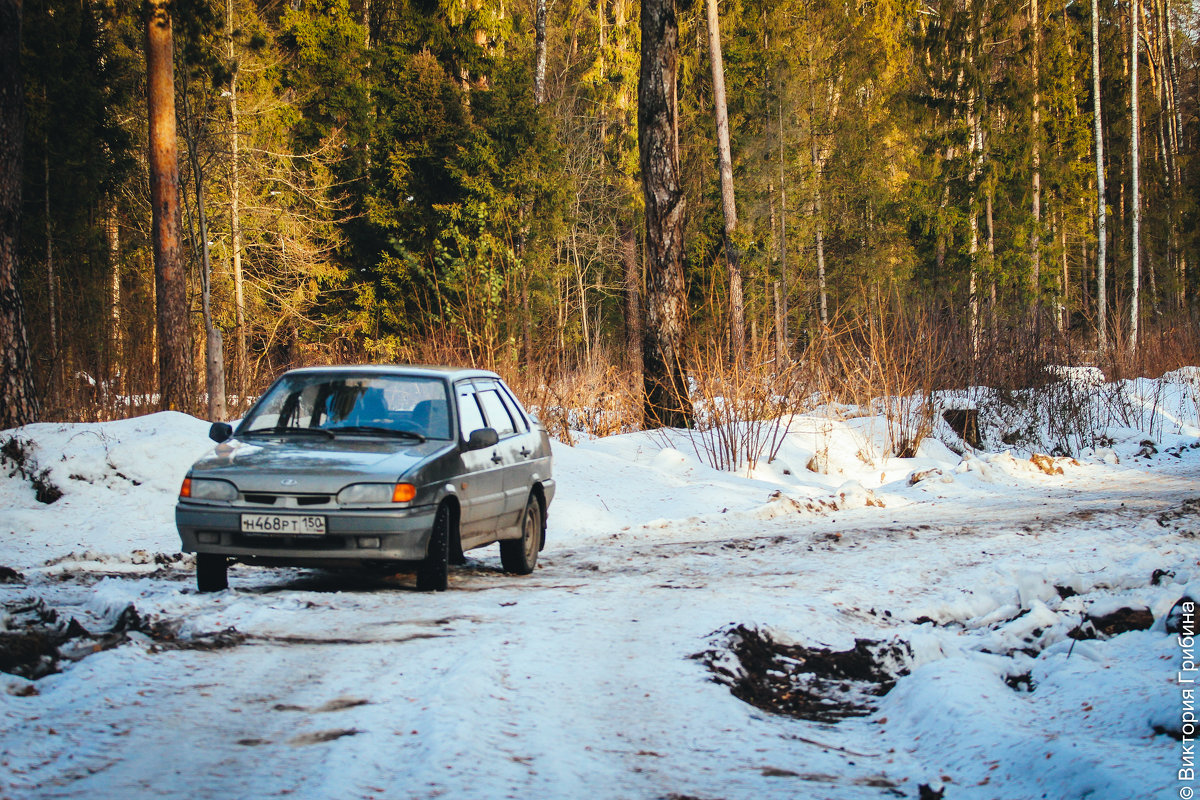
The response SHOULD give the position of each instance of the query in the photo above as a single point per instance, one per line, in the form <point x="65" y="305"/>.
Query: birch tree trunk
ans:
<point x="539" y="58"/>
<point x="112" y="230"/>
<point x="1101" y="206"/>
<point x="18" y="399"/>
<point x="1135" y="188"/>
<point x="174" y="372"/>
<point x="665" y="320"/>
<point x="817" y="162"/>
<point x="737" y="313"/>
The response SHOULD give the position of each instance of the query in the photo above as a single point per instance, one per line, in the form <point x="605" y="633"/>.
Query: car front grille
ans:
<point x="289" y="500"/>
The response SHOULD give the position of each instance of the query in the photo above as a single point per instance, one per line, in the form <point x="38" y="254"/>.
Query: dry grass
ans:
<point x="886" y="361"/>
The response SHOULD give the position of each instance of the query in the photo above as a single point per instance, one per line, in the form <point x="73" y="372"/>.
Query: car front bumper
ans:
<point x="350" y="535"/>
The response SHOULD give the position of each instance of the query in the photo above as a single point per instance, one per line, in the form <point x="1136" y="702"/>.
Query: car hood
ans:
<point x="316" y="465"/>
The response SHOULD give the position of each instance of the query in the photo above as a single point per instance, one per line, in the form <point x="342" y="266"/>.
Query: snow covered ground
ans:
<point x="584" y="679"/>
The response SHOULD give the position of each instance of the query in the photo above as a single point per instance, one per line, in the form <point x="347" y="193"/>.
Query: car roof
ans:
<point x="414" y="370"/>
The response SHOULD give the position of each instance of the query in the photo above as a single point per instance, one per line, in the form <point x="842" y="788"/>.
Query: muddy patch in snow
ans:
<point x="812" y="683"/>
<point x="1184" y="520"/>
<point x="35" y="638"/>
<point x="317" y="737"/>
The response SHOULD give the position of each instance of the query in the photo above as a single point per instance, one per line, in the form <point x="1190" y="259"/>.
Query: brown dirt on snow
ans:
<point x="812" y="683"/>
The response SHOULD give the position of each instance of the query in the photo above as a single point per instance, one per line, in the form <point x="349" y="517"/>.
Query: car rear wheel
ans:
<point x="433" y="574"/>
<point x="519" y="556"/>
<point x="212" y="572"/>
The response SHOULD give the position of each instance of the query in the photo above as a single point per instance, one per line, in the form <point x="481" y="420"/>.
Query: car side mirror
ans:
<point x="220" y="431"/>
<point x="483" y="438"/>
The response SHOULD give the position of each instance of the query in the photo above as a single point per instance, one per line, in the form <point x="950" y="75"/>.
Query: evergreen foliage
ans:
<point x="398" y="184"/>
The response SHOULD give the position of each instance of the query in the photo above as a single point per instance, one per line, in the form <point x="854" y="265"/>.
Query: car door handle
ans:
<point x="496" y="458"/>
<point x="525" y="451"/>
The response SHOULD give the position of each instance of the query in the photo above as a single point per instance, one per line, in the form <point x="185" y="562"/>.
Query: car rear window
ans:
<point x="497" y="413"/>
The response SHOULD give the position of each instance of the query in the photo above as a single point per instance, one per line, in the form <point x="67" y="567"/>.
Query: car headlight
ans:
<point x="377" y="494"/>
<point x="207" y="489"/>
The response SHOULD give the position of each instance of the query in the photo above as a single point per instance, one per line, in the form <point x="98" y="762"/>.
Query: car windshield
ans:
<point x="337" y="404"/>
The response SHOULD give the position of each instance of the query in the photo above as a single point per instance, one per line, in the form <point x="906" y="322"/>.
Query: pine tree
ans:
<point x="174" y="363"/>
<point x="18" y="400"/>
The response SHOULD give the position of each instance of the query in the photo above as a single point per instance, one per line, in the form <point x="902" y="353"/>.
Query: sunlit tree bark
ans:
<point x="174" y="368"/>
<point x="665" y="321"/>
<point x="737" y="313"/>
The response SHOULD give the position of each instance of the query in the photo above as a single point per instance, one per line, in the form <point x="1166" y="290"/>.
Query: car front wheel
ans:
<point x="212" y="572"/>
<point x="433" y="574"/>
<point x="519" y="556"/>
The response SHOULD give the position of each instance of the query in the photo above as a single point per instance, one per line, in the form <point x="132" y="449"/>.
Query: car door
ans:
<point x="529" y="454"/>
<point x="507" y="424"/>
<point x="481" y="488"/>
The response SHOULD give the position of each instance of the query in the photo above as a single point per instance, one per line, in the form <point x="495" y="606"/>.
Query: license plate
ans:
<point x="281" y="525"/>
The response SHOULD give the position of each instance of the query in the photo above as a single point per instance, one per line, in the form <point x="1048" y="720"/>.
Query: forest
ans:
<point x="961" y="191"/>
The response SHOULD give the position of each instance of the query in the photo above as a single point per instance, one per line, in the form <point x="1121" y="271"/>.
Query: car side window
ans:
<point x="514" y="408"/>
<point x="497" y="413"/>
<point x="470" y="418"/>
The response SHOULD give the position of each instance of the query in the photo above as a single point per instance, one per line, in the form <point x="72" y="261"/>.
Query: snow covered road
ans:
<point x="580" y="680"/>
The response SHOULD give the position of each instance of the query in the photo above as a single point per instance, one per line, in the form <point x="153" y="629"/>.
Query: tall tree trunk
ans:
<point x="783" y="348"/>
<point x="1035" y="238"/>
<point x="818" y="212"/>
<point x="737" y="312"/>
<point x="18" y="399"/>
<point x="1064" y="316"/>
<point x="820" y="236"/>
<point x="539" y="53"/>
<point x="665" y="320"/>
<point x="1135" y="188"/>
<point x="526" y="317"/>
<point x="214" y="362"/>
<point x="941" y="245"/>
<point x="51" y="276"/>
<point x="782" y="356"/>
<point x="1173" y="75"/>
<point x="633" y="283"/>
<point x="973" y="251"/>
<point x="1101" y="207"/>
<point x="174" y="371"/>
<point x="991" y="249"/>
<point x="235" y="214"/>
<point x="112" y="230"/>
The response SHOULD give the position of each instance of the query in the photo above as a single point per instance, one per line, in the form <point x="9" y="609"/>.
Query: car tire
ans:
<point x="519" y="556"/>
<point x="433" y="574"/>
<point x="456" y="556"/>
<point x="212" y="572"/>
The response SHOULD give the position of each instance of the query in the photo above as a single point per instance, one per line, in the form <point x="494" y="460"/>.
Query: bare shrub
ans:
<point x="743" y="412"/>
<point x="889" y="362"/>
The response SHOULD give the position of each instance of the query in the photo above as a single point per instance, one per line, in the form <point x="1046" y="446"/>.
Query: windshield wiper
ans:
<point x="278" y="429"/>
<point x="375" y="430"/>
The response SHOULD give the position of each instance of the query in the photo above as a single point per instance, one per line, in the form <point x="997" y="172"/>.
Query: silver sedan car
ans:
<point x="372" y="465"/>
